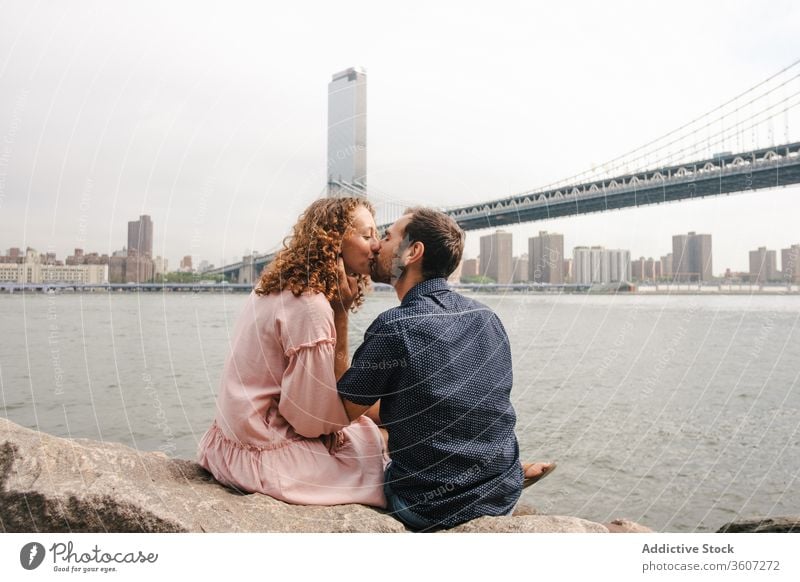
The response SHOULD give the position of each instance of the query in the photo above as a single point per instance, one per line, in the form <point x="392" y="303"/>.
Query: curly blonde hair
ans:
<point x="308" y="260"/>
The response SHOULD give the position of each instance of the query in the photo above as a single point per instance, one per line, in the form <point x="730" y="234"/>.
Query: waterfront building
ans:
<point x="186" y="264"/>
<point x="78" y="274"/>
<point x="597" y="265"/>
<point x="38" y="269"/>
<point x="581" y="265"/>
<point x="637" y="269"/>
<point x="645" y="269"/>
<point x="470" y="268"/>
<point x="666" y="266"/>
<point x="140" y="237"/>
<point x="790" y="264"/>
<point x="619" y="263"/>
<point x="347" y="133"/>
<point x="127" y="266"/>
<point x="546" y="258"/>
<point x="116" y="269"/>
<point x="691" y="257"/>
<point x="76" y="258"/>
<point x="161" y="266"/>
<point x="763" y="266"/>
<point x="82" y="258"/>
<point x="496" y="257"/>
<point x="13" y="255"/>
<point x="138" y="270"/>
<point x="520" y="267"/>
<point x="590" y="265"/>
<point x="652" y="269"/>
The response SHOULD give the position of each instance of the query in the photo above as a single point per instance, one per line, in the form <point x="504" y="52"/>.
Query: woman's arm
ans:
<point x="342" y="361"/>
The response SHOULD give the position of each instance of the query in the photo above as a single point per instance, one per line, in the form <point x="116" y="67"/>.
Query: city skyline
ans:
<point x="218" y="131"/>
<point x="787" y="251"/>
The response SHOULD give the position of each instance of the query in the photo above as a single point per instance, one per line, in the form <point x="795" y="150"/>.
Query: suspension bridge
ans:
<point x="735" y="148"/>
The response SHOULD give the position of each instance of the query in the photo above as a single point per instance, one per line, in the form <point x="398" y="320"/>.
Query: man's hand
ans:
<point x="348" y="290"/>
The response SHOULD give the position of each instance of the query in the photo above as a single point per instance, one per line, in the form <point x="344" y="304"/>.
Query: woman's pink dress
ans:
<point x="278" y="398"/>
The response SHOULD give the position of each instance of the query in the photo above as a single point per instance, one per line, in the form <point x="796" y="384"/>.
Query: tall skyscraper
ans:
<point x="763" y="265"/>
<point x="790" y="264"/>
<point x="347" y="133"/>
<point x="496" y="257"/>
<point x="546" y="258"/>
<point x="691" y="257"/>
<point x="140" y="237"/>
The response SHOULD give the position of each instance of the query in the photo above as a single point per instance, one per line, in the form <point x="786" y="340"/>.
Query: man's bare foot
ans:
<point x="534" y="472"/>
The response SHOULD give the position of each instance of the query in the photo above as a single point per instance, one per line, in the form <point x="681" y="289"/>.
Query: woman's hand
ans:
<point x="333" y="441"/>
<point x="348" y="290"/>
<point x="341" y="304"/>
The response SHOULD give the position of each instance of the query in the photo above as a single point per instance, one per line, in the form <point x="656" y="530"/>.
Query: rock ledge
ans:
<point x="50" y="484"/>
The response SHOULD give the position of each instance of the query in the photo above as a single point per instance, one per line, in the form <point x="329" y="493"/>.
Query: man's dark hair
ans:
<point x="442" y="237"/>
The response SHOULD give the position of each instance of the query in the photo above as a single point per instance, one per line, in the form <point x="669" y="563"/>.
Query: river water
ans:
<point x="679" y="412"/>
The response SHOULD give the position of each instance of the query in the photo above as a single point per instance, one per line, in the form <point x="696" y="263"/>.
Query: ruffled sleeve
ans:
<point x="309" y="400"/>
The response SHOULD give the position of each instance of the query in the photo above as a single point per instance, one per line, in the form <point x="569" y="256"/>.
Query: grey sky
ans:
<point x="211" y="117"/>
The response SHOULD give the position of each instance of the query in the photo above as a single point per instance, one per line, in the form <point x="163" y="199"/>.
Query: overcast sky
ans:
<point x="211" y="117"/>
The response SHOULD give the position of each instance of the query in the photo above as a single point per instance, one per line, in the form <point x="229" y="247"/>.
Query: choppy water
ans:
<point x="681" y="413"/>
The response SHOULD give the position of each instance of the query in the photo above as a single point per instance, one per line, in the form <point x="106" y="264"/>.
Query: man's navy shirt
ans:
<point x="440" y="363"/>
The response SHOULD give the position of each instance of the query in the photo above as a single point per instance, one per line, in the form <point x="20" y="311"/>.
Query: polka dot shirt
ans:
<point x="440" y="363"/>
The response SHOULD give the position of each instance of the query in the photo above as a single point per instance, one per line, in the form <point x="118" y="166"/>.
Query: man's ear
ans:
<point x="415" y="252"/>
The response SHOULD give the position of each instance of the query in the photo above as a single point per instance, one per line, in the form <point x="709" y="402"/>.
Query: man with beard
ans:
<point x="439" y="365"/>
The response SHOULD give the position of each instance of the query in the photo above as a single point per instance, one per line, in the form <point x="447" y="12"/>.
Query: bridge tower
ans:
<point x="347" y="133"/>
<point x="247" y="274"/>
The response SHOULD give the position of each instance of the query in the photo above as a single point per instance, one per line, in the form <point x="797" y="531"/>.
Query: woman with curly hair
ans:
<point x="280" y="427"/>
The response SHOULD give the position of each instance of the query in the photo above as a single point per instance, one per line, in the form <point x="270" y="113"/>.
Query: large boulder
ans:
<point x="530" y="524"/>
<point x="763" y="525"/>
<point x="50" y="484"/>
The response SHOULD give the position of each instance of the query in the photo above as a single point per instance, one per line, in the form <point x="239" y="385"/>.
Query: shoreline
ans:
<point x="493" y="290"/>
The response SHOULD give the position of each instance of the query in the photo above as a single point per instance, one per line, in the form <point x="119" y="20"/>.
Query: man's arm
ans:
<point x="354" y="410"/>
<point x="372" y="373"/>
<point x="341" y="364"/>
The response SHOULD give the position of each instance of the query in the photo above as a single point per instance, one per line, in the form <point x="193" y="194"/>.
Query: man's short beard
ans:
<point x="377" y="273"/>
<point x="398" y="268"/>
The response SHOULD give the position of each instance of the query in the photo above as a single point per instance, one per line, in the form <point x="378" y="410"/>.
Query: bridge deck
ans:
<point x="726" y="174"/>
